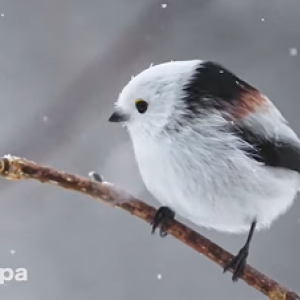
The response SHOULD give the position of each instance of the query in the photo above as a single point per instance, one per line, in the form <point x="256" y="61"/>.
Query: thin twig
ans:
<point x="16" y="168"/>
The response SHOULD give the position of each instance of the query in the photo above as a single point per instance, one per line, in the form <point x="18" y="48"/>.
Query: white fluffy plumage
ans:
<point x="193" y="165"/>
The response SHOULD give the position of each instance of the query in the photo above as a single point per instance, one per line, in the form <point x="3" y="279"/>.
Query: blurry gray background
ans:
<point x="62" y="65"/>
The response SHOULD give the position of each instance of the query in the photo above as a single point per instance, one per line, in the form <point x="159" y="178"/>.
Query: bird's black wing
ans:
<point x="214" y="88"/>
<point x="271" y="152"/>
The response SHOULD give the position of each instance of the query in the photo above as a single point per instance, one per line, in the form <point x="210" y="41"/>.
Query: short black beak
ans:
<point x="118" y="116"/>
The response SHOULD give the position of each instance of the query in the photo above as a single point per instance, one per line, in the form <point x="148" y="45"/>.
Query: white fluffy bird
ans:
<point x="211" y="148"/>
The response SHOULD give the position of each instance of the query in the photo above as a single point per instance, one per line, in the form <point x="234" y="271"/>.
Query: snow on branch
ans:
<point x="16" y="168"/>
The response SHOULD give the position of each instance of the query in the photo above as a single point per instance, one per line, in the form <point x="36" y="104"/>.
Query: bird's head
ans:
<point x="153" y="98"/>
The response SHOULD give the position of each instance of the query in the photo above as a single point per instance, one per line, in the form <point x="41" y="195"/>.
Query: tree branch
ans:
<point x="16" y="168"/>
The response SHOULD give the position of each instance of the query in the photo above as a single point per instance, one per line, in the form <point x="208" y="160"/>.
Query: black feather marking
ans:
<point x="213" y="87"/>
<point x="271" y="152"/>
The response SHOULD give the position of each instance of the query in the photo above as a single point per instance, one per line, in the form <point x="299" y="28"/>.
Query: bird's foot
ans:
<point x="238" y="263"/>
<point x="162" y="217"/>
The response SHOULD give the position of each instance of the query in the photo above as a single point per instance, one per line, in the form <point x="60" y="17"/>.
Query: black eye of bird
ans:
<point x="141" y="106"/>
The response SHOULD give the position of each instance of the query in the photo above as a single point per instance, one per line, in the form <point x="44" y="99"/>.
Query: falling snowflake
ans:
<point x="262" y="19"/>
<point x="164" y="5"/>
<point x="2" y="15"/>
<point x="159" y="276"/>
<point x="293" y="51"/>
<point x="45" y="118"/>
<point x="12" y="252"/>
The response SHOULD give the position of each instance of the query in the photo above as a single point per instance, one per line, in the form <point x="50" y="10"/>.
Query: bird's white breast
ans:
<point x="211" y="182"/>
